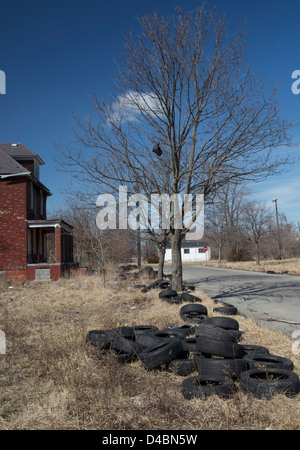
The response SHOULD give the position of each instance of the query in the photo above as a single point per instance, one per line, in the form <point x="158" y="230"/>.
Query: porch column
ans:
<point x="58" y="245"/>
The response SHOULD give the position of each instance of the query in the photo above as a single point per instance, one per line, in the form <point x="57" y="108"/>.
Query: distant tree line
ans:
<point x="240" y="228"/>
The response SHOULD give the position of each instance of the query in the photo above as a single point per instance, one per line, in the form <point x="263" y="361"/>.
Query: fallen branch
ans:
<point x="271" y="319"/>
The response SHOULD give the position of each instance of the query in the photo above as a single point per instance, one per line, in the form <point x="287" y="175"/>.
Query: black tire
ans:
<point x="227" y="310"/>
<point x="186" y="297"/>
<point x="147" y="339"/>
<point x="266" y="360"/>
<point x="155" y="284"/>
<point x="189" y="287"/>
<point x="220" y="367"/>
<point x="169" y="293"/>
<point x="252" y="349"/>
<point x="264" y="384"/>
<point x="193" y="308"/>
<point x="183" y="367"/>
<point x="102" y="339"/>
<point x="214" y="332"/>
<point x="139" y="329"/>
<point x="228" y="323"/>
<point x="193" y="313"/>
<point x="168" y="334"/>
<point x="217" y="347"/>
<point x="161" y="353"/>
<point x="194" y="318"/>
<point x="124" y="331"/>
<point x="164" y="284"/>
<point x="173" y="300"/>
<point x="185" y="329"/>
<point x="237" y="334"/>
<point x="190" y="345"/>
<point x="199" y="387"/>
<point x="127" y="346"/>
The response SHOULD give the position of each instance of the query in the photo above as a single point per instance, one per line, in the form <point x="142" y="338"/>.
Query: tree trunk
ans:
<point x="161" y="262"/>
<point x="176" y="260"/>
<point x="257" y="254"/>
<point x="139" y="252"/>
<point x="220" y="254"/>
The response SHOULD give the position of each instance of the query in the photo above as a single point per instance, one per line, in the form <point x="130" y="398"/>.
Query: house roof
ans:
<point x="192" y="244"/>
<point x="9" y="165"/>
<point x="19" y="151"/>
<point x="50" y="223"/>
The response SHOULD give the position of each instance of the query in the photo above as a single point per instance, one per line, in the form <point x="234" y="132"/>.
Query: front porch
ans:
<point x="49" y="250"/>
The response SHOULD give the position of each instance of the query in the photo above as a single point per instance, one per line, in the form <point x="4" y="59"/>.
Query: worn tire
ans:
<point x="193" y="313"/>
<point x="127" y="346"/>
<point x="139" y="329"/>
<point x="227" y="310"/>
<point x="168" y="334"/>
<point x="218" y="347"/>
<point x="185" y="329"/>
<point x="228" y="323"/>
<point x="264" y="384"/>
<point x="147" y="339"/>
<point x="161" y="353"/>
<point x="100" y="338"/>
<point x="164" y="284"/>
<point x="186" y="297"/>
<point x="190" y="345"/>
<point x="168" y="293"/>
<point x="253" y="349"/>
<point x="183" y="367"/>
<point x="266" y="360"/>
<point x="173" y="300"/>
<point x="214" y="332"/>
<point x="200" y="387"/>
<point x="220" y="367"/>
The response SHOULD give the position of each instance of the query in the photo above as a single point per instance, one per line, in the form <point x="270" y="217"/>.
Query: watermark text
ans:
<point x="2" y="82"/>
<point x="162" y="212"/>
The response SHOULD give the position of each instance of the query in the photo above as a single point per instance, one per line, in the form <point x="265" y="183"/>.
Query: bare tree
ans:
<point x="255" y="222"/>
<point x="183" y="83"/>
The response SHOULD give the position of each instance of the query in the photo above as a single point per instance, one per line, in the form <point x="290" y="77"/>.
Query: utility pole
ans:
<point x="278" y="230"/>
<point x="138" y="236"/>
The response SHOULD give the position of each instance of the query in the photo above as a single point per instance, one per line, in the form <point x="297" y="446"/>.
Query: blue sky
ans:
<point x="55" y="52"/>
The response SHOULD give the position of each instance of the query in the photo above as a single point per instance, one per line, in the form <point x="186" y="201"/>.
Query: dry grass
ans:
<point x="292" y="265"/>
<point x="51" y="378"/>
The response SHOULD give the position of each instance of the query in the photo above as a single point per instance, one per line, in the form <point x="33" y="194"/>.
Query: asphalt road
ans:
<point x="259" y="295"/>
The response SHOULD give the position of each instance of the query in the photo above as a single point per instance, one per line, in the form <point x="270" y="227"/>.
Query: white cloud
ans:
<point x="129" y="106"/>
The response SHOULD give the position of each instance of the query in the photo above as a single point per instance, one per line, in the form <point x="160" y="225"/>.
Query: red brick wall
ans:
<point x="37" y="212"/>
<point x="13" y="230"/>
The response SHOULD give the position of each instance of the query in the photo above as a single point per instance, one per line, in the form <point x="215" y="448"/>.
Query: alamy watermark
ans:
<point x="2" y="82"/>
<point x="2" y="343"/>
<point x="160" y="213"/>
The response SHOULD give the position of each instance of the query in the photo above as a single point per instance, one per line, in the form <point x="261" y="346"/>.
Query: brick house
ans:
<point x="31" y="247"/>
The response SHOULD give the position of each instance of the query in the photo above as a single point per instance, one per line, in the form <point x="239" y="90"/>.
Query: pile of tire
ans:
<point x="163" y="284"/>
<point x="206" y="351"/>
<point x="169" y="295"/>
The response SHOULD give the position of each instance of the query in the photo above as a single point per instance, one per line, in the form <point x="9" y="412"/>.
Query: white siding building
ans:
<point x="191" y="251"/>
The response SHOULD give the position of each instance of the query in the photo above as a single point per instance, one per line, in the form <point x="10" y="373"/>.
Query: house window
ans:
<point x="186" y="250"/>
<point x="31" y="196"/>
<point x="200" y="250"/>
<point x="33" y="199"/>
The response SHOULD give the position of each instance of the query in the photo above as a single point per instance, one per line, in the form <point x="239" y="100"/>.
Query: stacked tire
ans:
<point x="206" y="351"/>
